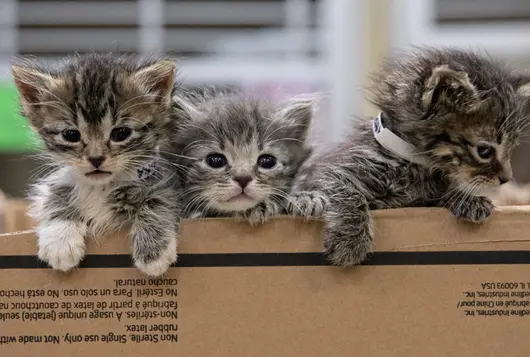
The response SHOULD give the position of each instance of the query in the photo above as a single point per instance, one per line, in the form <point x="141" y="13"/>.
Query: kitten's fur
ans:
<point x="242" y="129"/>
<point x="443" y="101"/>
<point x="86" y="98"/>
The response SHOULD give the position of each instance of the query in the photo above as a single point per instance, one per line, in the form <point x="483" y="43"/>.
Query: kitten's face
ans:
<point x="460" y="109"/>
<point x="100" y="115"/>
<point x="474" y="154"/>
<point x="242" y="152"/>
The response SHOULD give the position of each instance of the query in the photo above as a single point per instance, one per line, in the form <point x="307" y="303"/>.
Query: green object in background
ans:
<point x="15" y="135"/>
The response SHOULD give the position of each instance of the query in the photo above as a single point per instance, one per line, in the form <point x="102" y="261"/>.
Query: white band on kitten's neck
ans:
<point x="395" y="144"/>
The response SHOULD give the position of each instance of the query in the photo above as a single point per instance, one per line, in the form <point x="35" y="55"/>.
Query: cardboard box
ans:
<point x="435" y="287"/>
<point x="14" y="216"/>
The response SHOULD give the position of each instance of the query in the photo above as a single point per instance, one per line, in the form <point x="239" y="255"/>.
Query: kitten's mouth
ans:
<point x="240" y="197"/>
<point x="98" y="174"/>
<point x="239" y="202"/>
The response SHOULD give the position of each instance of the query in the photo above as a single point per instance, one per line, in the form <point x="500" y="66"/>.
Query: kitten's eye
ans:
<point x="216" y="160"/>
<point x="485" y="151"/>
<point x="71" y="135"/>
<point x="120" y="134"/>
<point x="267" y="161"/>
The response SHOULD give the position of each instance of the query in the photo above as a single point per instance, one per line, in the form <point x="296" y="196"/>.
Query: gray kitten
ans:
<point x="239" y="156"/>
<point x="460" y="117"/>
<point x="103" y="119"/>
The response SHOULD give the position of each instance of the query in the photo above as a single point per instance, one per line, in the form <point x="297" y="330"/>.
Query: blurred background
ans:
<point x="276" y="48"/>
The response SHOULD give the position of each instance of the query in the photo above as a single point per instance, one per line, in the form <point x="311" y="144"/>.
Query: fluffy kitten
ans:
<point x="463" y="118"/>
<point x="239" y="157"/>
<point x="103" y="119"/>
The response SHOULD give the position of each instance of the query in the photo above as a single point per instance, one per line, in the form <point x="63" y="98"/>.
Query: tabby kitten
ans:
<point x="103" y="119"/>
<point x="455" y="120"/>
<point x="239" y="157"/>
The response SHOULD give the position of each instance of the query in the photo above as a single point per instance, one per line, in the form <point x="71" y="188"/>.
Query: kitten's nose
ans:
<point x="243" y="180"/>
<point x="96" y="161"/>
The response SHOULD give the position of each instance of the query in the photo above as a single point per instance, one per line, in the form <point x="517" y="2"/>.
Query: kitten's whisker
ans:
<point x="192" y="204"/>
<point x="189" y="192"/>
<point x="470" y="190"/>
<point x="137" y="104"/>
<point x="159" y="161"/>
<point x="177" y="155"/>
<point x="135" y="120"/>
<point x="43" y="170"/>
<point x="122" y="108"/>
<point x="209" y="204"/>
<point x="281" y="127"/>
<point x="193" y="125"/>
<point x="196" y="142"/>
<point x="286" y="139"/>
<point x="283" y="197"/>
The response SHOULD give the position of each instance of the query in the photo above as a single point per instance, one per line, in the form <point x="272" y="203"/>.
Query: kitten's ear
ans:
<point x="158" y="78"/>
<point x="449" y="90"/>
<point x="31" y="83"/>
<point x="298" y="114"/>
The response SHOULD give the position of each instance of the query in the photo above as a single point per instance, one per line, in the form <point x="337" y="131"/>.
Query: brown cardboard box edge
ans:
<point x="447" y="288"/>
<point x="396" y="229"/>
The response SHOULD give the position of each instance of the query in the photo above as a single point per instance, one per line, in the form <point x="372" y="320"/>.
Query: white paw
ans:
<point x="61" y="244"/>
<point x="162" y="264"/>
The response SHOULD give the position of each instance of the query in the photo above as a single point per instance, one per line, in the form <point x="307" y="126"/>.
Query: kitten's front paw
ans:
<point x="475" y="209"/>
<point x="307" y="204"/>
<point x="347" y="252"/>
<point x="61" y="245"/>
<point x="261" y="213"/>
<point x="348" y="236"/>
<point x="127" y="199"/>
<point x="157" y="259"/>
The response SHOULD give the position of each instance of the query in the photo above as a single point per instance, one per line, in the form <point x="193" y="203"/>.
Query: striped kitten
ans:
<point x="103" y="119"/>
<point x="239" y="157"/>
<point x="450" y="120"/>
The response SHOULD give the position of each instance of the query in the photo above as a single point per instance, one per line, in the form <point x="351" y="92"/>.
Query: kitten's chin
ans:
<point x="236" y="204"/>
<point x="482" y="190"/>
<point x="99" y="177"/>
<point x="488" y="190"/>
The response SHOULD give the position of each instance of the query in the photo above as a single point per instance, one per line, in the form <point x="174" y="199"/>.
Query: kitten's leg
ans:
<point x="154" y="238"/>
<point x="348" y="231"/>
<point x="155" y="221"/>
<point x="473" y="209"/>
<point x="261" y="212"/>
<point x="154" y="233"/>
<point x="61" y="230"/>
<point x="61" y="243"/>
<point x="307" y="204"/>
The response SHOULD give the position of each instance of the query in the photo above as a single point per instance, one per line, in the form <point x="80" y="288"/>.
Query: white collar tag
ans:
<point x="395" y="144"/>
